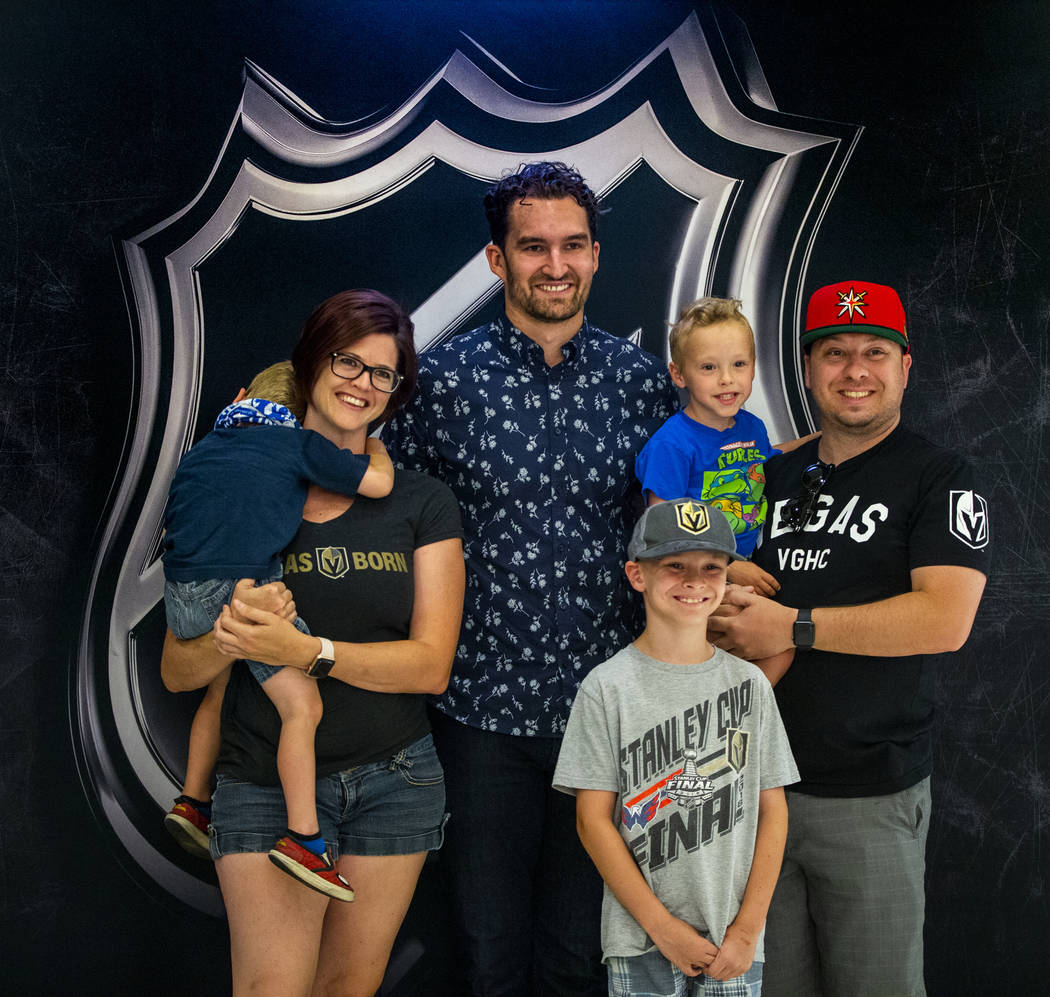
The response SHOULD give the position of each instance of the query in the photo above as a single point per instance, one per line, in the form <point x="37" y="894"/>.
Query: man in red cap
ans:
<point x="880" y="544"/>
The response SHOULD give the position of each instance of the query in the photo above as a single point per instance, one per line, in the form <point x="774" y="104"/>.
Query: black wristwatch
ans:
<point x="322" y="664"/>
<point x="803" y="633"/>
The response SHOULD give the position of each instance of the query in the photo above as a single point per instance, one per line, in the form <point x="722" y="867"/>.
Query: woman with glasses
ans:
<point x="380" y="582"/>
<point x="257" y="448"/>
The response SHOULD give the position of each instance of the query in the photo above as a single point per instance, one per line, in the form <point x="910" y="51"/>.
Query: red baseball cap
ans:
<point x="856" y="306"/>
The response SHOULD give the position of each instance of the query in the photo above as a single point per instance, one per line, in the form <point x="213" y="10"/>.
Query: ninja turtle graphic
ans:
<point x="739" y="493"/>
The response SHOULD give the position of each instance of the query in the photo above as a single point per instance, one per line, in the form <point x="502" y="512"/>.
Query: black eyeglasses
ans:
<point x="350" y="368"/>
<point x="801" y="508"/>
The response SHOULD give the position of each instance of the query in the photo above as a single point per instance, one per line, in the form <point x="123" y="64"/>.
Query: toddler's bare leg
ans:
<point x="298" y="702"/>
<point x="204" y="740"/>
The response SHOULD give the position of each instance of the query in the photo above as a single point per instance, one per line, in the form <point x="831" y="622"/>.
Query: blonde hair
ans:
<point x="700" y="314"/>
<point x="277" y="384"/>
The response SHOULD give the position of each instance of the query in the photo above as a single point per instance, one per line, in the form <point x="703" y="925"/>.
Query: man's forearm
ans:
<point x="917" y="622"/>
<point x="934" y="617"/>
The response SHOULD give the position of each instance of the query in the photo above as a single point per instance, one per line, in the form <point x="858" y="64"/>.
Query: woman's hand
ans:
<point x="244" y="631"/>
<point x="192" y="664"/>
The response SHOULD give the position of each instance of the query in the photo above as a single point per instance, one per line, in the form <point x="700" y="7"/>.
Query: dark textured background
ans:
<point x="111" y="114"/>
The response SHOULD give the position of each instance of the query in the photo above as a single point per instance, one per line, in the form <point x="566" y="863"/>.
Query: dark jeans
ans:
<point x="525" y="894"/>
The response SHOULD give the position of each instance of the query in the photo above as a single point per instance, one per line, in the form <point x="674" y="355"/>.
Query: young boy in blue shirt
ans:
<point x="714" y="449"/>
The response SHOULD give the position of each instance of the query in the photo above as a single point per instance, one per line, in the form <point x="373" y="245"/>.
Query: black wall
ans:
<point x="111" y="115"/>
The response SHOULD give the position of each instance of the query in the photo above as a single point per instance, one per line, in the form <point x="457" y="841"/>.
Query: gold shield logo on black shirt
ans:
<point x="332" y="562"/>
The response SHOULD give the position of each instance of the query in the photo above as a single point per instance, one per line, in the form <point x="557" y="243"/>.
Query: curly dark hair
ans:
<point x="541" y="180"/>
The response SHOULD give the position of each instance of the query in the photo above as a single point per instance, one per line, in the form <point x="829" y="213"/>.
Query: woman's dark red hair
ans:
<point x="339" y="322"/>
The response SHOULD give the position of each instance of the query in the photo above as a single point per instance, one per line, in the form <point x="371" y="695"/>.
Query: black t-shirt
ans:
<point x="859" y="725"/>
<point x="352" y="581"/>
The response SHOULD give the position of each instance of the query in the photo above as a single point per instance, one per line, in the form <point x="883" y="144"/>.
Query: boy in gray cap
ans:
<point x="677" y="758"/>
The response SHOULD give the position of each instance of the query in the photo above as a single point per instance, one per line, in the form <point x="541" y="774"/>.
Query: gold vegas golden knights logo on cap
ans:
<point x="692" y="517"/>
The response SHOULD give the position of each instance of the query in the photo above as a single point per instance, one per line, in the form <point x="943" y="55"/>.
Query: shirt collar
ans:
<point x="512" y="341"/>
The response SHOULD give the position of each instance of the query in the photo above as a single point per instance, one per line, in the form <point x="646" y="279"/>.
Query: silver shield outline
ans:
<point x="757" y="237"/>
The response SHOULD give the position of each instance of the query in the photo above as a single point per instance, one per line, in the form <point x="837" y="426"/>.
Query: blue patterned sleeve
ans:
<point x="406" y="436"/>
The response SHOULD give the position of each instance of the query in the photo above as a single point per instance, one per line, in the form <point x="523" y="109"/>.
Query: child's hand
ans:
<point x="683" y="945"/>
<point x="274" y="597"/>
<point x="374" y="445"/>
<point x="748" y="573"/>
<point x="735" y="956"/>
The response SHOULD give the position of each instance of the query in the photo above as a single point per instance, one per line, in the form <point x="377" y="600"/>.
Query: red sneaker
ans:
<point x="316" y="871"/>
<point x="189" y="827"/>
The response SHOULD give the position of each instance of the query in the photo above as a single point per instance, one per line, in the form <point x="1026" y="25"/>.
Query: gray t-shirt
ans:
<point x="687" y="749"/>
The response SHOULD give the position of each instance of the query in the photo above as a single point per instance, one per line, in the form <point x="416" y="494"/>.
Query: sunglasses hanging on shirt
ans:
<point x="799" y="511"/>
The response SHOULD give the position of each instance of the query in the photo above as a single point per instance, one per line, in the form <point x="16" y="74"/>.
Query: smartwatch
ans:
<point x="803" y="633"/>
<point x="322" y="664"/>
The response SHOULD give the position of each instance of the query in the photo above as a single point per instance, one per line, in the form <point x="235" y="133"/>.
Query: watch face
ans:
<point x="803" y="633"/>
<point x="320" y="668"/>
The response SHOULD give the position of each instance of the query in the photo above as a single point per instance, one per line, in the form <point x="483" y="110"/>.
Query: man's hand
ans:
<point x="751" y="626"/>
<point x="683" y="945"/>
<point x="735" y="955"/>
<point x="934" y="617"/>
<point x="748" y="573"/>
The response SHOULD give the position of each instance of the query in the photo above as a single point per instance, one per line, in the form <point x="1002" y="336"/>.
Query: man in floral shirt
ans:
<point x="534" y="421"/>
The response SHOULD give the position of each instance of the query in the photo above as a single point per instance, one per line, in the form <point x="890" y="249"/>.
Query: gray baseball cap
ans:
<point x="679" y="525"/>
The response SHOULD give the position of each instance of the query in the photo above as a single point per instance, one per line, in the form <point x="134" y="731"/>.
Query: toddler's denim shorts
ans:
<point x="391" y="807"/>
<point x="192" y="608"/>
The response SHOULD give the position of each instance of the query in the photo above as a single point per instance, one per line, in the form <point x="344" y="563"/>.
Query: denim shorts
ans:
<point x="653" y="975"/>
<point x="391" y="807"/>
<point x="192" y="608"/>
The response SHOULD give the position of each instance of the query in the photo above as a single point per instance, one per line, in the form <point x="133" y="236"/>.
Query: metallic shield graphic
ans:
<point x="709" y="189"/>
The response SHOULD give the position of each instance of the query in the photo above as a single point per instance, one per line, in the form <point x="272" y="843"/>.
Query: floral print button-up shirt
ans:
<point x="541" y="460"/>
